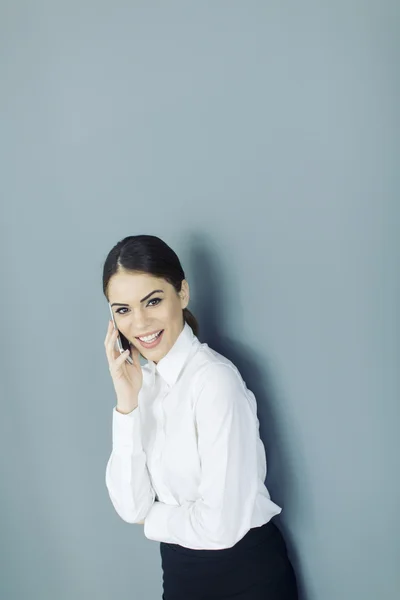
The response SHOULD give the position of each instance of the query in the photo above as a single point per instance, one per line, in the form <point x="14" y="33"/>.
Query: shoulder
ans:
<point x="218" y="388"/>
<point x="212" y="370"/>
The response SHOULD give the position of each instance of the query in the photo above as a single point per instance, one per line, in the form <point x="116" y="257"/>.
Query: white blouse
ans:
<point x="189" y="460"/>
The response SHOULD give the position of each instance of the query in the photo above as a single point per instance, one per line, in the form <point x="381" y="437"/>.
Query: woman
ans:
<point x="187" y="460"/>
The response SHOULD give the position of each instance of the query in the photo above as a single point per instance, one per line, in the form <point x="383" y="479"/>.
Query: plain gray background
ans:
<point x="260" y="141"/>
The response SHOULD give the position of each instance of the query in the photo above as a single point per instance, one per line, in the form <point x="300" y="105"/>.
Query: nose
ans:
<point x="139" y="325"/>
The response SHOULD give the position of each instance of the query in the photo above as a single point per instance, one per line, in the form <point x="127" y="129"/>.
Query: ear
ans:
<point x="184" y="294"/>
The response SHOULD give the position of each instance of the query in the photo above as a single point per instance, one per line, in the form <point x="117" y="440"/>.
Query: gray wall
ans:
<point x="260" y="140"/>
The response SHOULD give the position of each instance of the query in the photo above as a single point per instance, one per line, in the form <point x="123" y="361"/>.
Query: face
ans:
<point x="139" y="312"/>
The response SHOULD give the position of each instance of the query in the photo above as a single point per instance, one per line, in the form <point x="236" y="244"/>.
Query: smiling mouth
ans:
<point x="153" y="342"/>
<point x="148" y="334"/>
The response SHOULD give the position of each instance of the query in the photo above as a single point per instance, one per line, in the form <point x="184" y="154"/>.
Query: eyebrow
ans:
<point x="142" y="300"/>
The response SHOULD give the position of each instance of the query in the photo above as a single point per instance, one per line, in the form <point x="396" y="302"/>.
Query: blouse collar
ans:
<point x="170" y="366"/>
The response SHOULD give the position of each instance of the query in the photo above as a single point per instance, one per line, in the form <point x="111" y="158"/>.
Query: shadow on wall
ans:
<point x="211" y="292"/>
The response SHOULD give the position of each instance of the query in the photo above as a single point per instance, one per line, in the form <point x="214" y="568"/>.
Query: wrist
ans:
<point x="125" y="411"/>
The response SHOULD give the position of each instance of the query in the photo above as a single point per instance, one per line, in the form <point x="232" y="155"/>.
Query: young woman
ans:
<point x="187" y="460"/>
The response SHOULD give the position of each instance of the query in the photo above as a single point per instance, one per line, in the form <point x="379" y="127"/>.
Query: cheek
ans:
<point x="166" y="314"/>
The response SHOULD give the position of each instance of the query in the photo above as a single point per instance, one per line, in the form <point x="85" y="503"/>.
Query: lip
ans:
<point x="152" y="344"/>
<point x="146" y="334"/>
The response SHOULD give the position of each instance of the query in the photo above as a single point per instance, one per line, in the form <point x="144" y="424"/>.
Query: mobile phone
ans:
<point x="122" y="342"/>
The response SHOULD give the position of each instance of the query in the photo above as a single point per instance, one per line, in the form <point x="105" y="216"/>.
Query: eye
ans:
<point x="155" y="299"/>
<point x="158" y="300"/>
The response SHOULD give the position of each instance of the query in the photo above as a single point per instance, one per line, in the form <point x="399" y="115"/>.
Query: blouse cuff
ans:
<point x="126" y="433"/>
<point x="156" y="522"/>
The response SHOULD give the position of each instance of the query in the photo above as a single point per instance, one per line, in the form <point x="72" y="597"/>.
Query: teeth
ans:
<point x="149" y="338"/>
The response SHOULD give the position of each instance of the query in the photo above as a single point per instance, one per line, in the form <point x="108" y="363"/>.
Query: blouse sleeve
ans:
<point x="227" y="445"/>
<point x="127" y="477"/>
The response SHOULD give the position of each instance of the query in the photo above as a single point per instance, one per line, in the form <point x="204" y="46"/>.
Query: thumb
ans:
<point x="134" y="354"/>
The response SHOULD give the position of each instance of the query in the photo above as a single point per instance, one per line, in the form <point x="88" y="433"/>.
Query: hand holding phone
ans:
<point x="119" y="341"/>
<point x="126" y="374"/>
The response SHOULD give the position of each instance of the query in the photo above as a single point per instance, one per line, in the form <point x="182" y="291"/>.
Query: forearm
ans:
<point x="127" y="477"/>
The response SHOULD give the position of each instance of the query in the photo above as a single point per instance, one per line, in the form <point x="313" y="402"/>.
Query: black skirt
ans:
<point x="257" y="567"/>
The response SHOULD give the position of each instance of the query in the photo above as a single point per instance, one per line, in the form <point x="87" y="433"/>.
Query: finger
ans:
<point x="110" y="329"/>
<point x="110" y="341"/>
<point x="121" y="359"/>
<point x="111" y="349"/>
<point x="135" y="355"/>
<point x="114" y="346"/>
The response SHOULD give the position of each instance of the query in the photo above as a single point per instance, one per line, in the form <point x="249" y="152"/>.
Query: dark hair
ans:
<point x="147" y="254"/>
